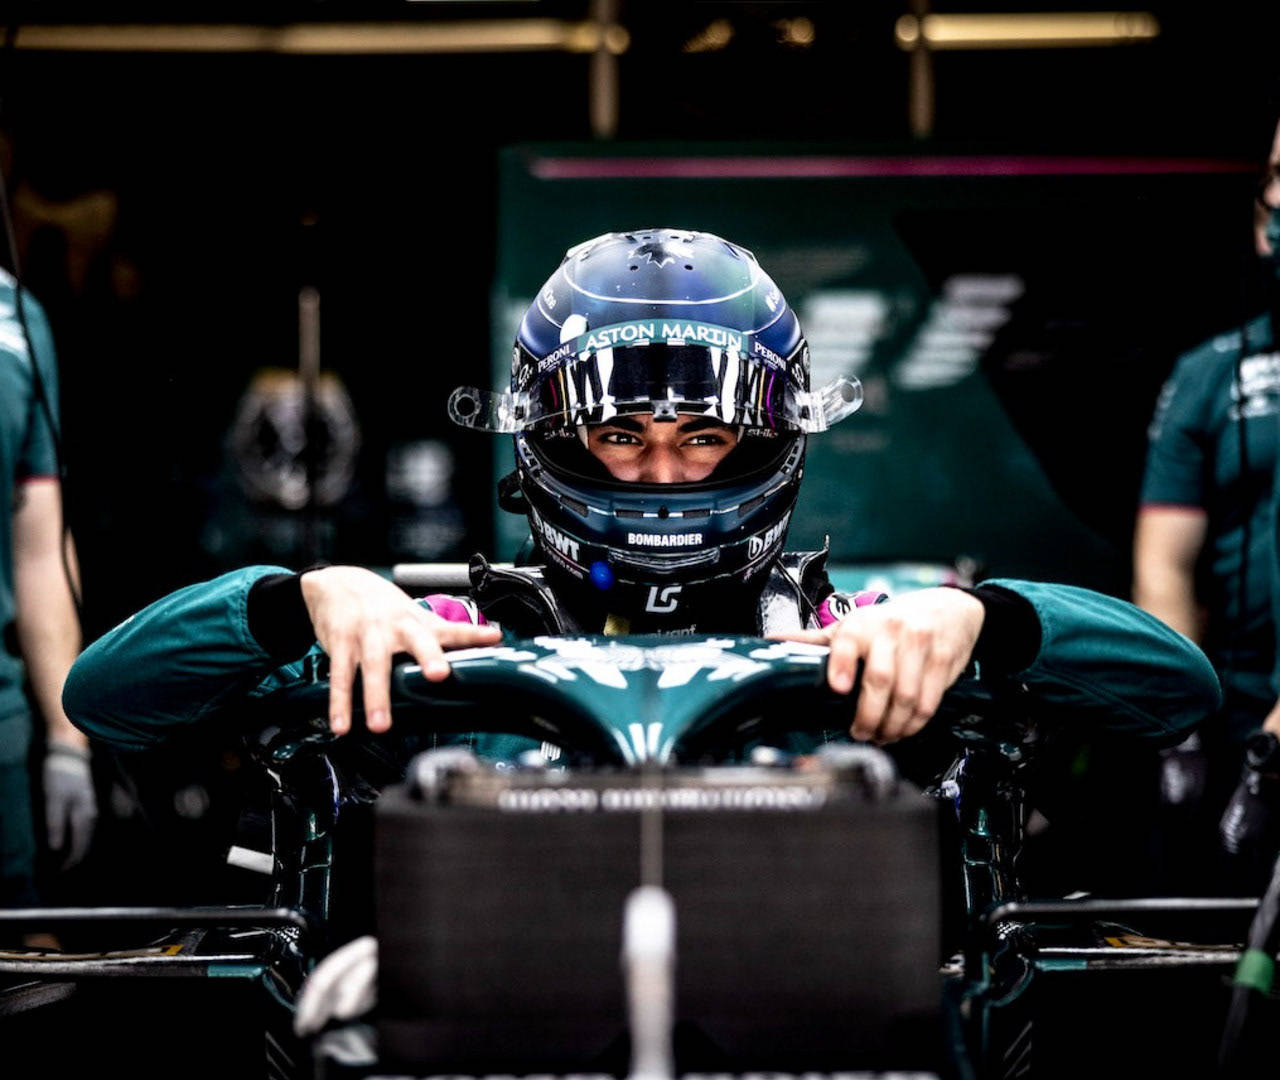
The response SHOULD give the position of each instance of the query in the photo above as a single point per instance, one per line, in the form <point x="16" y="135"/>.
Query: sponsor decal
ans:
<point x="839" y="605"/>
<point x="702" y="334"/>
<point x="762" y="542"/>
<point x="679" y="332"/>
<point x="635" y="333"/>
<point x="767" y="354"/>
<point x="1258" y="388"/>
<point x="658" y="540"/>
<point x="584" y="368"/>
<point x="572" y="567"/>
<point x="623" y="799"/>
<point x="554" y="359"/>
<point x="607" y="665"/>
<point x="663" y="601"/>
<point x="556" y="541"/>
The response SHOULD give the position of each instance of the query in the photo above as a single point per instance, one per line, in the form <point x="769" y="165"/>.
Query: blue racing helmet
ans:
<point x="661" y="322"/>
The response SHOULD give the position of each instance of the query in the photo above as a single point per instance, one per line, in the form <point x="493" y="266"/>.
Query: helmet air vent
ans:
<point x="579" y="508"/>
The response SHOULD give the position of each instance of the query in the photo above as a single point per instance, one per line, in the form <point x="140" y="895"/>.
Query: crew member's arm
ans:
<point x="49" y="639"/>
<point x="1167" y="543"/>
<point x="48" y="630"/>
<point x="1172" y="521"/>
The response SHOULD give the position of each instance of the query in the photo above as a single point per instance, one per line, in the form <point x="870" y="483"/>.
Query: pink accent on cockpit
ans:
<point x="451" y="609"/>
<point x="838" y="605"/>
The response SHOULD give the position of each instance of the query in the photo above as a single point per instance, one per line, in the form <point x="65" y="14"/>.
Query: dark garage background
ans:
<point x="171" y="204"/>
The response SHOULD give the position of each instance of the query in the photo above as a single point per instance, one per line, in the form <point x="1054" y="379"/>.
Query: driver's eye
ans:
<point x="619" y="438"/>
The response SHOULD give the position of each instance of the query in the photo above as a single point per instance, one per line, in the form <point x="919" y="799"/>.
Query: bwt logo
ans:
<point x="566" y="545"/>
<point x="757" y="545"/>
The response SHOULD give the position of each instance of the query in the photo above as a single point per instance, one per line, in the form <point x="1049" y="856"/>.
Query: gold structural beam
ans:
<point x="603" y="83"/>
<point x="923" y="33"/>
<point x="1025" y="31"/>
<point x="477" y="36"/>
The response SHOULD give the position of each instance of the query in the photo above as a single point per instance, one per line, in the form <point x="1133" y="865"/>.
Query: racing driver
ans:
<point x="659" y="403"/>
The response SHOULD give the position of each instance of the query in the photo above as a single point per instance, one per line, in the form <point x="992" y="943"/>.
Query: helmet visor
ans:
<point x="726" y="379"/>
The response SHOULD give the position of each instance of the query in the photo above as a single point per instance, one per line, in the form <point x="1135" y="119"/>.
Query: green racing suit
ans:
<point x="198" y="657"/>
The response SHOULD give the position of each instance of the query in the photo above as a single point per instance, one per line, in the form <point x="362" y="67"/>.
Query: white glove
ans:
<point x="341" y="987"/>
<point x="70" y="806"/>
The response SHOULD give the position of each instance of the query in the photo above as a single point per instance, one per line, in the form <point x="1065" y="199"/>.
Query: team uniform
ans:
<point x="28" y="455"/>
<point x="1194" y="460"/>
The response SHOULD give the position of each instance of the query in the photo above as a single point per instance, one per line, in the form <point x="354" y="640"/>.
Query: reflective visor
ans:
<point x="629" y="368"/>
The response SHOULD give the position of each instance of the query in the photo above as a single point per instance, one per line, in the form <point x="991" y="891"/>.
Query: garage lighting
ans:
<point x="495" y="35"/>
<point x="1025" y="31"/>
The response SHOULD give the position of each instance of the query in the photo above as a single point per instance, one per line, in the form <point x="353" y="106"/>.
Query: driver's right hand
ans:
<point x="912" y="649"/>
<point x="362" y="621"/>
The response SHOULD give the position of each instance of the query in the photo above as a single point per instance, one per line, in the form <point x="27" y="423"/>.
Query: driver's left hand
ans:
<point x="913" y="649"/>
